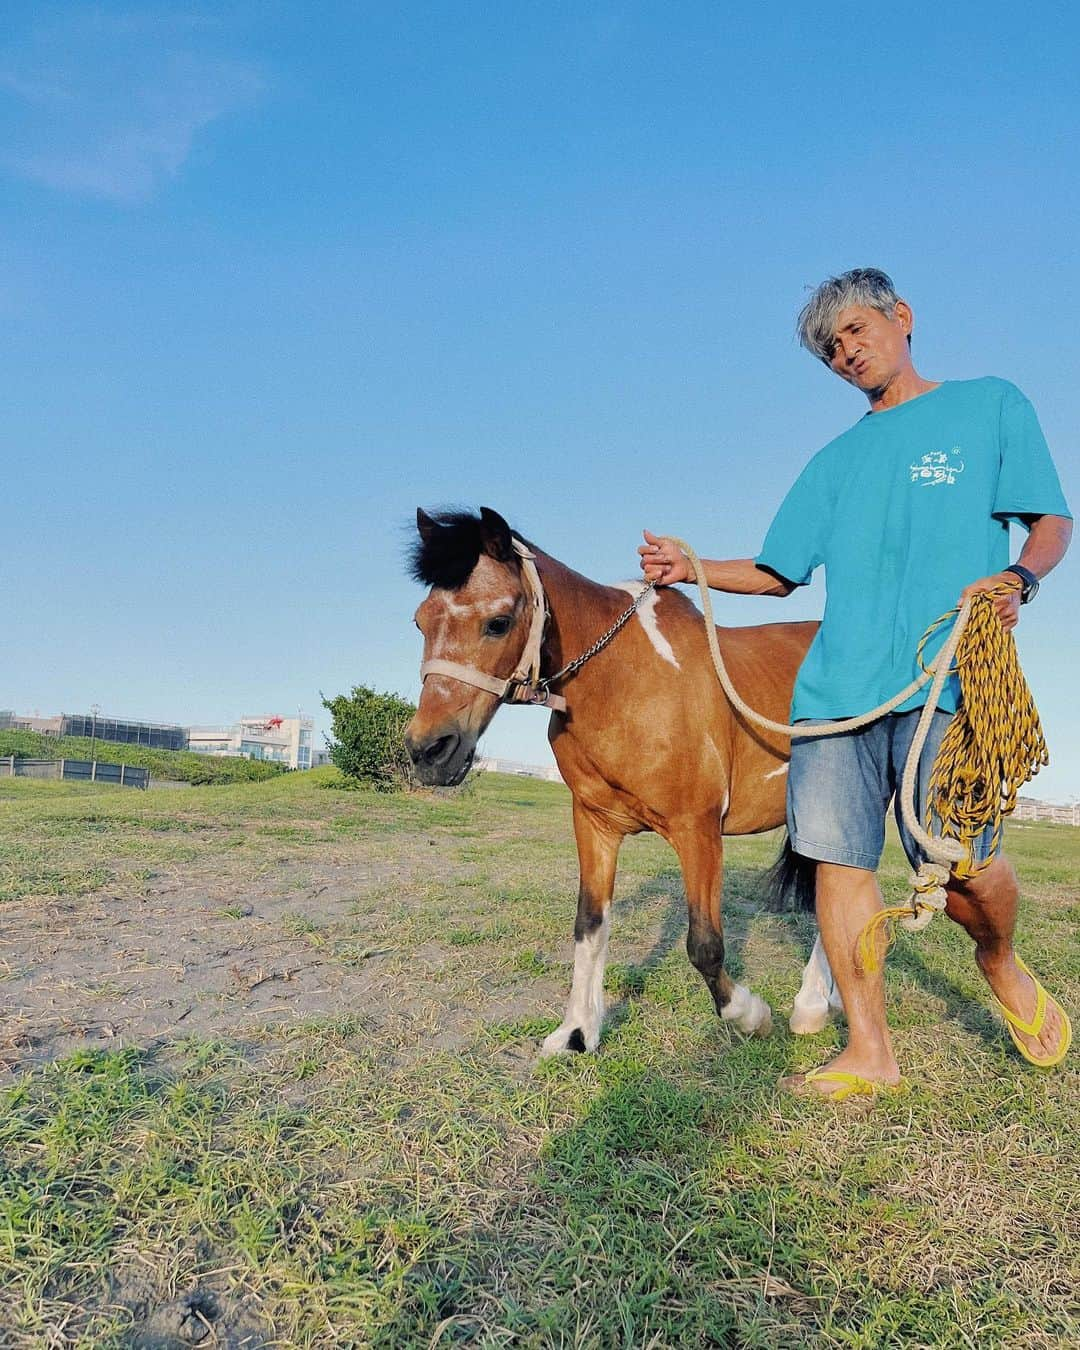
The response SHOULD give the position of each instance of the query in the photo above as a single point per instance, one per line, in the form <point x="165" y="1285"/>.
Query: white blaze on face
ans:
<point x="585" y="1010"/>
<point x="453" y="618"/>
<point x="646" y="616"/>
<point x="776" y="772"/>
<point x="502" y="604"/>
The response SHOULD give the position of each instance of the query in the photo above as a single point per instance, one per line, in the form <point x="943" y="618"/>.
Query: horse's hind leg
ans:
<point x="701" y="855"/>
<point x="598" y="850"/>
<point x="818" y="996"/>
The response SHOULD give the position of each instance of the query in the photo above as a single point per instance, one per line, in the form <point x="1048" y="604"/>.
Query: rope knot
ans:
<point x="930" y="876"/>
<point x="928" y="896"/>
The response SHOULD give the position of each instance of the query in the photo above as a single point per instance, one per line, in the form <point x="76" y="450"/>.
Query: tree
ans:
<point x="368" y="737"/>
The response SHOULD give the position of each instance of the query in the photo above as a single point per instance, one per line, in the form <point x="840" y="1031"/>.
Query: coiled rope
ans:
<point x="992" y="747"/>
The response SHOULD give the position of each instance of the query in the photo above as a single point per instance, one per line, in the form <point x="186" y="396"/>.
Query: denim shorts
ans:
<point x="839" y="789"/>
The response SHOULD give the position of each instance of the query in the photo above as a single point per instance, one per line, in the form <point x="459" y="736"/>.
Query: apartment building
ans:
<point x="282" y="740"/>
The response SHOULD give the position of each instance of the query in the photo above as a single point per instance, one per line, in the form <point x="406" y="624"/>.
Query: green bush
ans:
<point x="368" y="732"/>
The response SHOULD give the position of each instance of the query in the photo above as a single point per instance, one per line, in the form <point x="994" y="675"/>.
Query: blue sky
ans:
<point x="275" y="274"/>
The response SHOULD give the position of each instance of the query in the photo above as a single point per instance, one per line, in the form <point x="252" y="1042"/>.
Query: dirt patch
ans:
<point x="214" y="1318"/>
<point x="416" y="946"/>
<point x="216" y="951"/>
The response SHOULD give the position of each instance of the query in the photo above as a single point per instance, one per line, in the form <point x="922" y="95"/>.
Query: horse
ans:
<point x="642" y="733"/>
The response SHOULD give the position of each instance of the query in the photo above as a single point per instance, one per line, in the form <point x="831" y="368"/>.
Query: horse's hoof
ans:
<point x="565" y="1040"/>
<point x="809" y="1021"/>
<point x="764" y="1027"/>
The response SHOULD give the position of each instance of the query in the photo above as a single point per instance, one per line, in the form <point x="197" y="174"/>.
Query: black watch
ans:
<point x="1030" y="582"/>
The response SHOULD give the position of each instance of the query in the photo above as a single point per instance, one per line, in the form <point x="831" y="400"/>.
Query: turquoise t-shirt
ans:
<point x="903" y="511"/>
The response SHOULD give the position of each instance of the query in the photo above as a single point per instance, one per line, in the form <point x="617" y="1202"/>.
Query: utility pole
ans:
<point x="94" y="711"/>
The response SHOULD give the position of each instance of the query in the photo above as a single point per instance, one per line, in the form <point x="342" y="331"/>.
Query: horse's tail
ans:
<point x="789" y="882"/>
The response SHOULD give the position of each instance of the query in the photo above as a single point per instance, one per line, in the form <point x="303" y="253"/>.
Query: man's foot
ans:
<point x="1035" y="1021"/>
<point x="845" y="1077"/>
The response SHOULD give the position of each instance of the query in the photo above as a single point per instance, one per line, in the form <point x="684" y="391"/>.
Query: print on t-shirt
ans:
<point x="938" y="467"/>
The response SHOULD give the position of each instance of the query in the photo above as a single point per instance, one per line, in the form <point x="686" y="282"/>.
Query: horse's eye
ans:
<point x="498" y="627"/>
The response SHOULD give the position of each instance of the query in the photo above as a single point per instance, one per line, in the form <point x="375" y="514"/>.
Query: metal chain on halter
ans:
<point x="601" y="642"/>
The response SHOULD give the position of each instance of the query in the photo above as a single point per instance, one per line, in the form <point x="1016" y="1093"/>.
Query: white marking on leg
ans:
<point x="817" y="996"/>
<point x="585" y="1010"/>
<point x="647" y="618"/>
<point x="776" y="772"/>
<point x="749" y="1013"/>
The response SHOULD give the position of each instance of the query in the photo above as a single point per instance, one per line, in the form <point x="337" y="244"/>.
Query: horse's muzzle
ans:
<point x="441" y="761"/>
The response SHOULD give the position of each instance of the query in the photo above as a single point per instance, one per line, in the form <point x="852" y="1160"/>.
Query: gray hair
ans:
<point x="861" y="286"/>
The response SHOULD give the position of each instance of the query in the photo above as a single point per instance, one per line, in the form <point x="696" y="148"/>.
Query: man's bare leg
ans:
<point x="985" y="905"/>
<point x="847" y="899"/>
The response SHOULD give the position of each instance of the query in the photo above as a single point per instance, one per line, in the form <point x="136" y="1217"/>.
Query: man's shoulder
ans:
<point x="842" y="443"/>
<point x="984" y="388"/>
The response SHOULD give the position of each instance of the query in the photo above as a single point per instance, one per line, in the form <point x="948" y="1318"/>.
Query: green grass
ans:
<point x="361" y="1178"/>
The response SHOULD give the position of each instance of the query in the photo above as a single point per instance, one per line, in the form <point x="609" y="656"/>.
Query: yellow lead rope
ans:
<point x="991" y="748"/>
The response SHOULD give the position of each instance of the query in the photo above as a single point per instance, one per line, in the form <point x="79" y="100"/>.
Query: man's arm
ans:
<point x="1045" y="546"/>
<point x="665" y="563"/>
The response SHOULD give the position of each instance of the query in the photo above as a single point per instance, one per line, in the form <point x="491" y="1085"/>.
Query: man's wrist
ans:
<point x="1029" y="582"/>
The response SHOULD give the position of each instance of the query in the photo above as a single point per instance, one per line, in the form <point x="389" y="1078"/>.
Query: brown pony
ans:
<point x="647" y="740"/>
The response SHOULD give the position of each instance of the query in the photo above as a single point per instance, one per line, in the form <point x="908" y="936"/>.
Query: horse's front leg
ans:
<point x="701" y="855"/>
<point x="598" y="850"/>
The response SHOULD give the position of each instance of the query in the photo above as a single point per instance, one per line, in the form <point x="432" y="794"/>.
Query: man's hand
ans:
<point x="1007" y="606"/>
<point x="663" y="561"/>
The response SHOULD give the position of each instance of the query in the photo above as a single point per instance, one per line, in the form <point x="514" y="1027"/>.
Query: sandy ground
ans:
<point x="220" y="948"/>
<point x="199" y="953"/>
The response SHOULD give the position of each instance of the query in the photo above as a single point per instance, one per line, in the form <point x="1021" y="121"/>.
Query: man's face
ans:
<point x="869" y="348"/>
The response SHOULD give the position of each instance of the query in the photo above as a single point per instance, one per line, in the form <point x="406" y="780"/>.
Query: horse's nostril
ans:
<point x="438" y="752"/>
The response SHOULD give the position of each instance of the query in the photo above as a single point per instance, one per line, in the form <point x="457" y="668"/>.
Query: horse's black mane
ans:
<point x="447" y="556"/>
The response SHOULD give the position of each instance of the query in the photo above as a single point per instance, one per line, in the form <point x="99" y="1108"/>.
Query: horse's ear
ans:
<point x="425" y="525"/>
<point x="496" y="535"/>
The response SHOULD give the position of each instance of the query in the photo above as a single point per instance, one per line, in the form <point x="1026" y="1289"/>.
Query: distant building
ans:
<point x="1030" y="808"/>
<point x="44" y="726"/>
<point x="546" y="771"/>
<point x="281" y="740"/>
<point x="157" y="735"/>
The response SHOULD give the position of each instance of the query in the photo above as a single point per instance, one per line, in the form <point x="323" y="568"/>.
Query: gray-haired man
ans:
<point x="908" y="511"/>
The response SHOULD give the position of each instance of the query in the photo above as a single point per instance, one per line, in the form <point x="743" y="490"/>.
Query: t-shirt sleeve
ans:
<point x="1028" y="484"/>
<point x="795" y="542"/>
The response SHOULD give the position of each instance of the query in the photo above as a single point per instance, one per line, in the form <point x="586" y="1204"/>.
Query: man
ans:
<point x="908" y="512"/>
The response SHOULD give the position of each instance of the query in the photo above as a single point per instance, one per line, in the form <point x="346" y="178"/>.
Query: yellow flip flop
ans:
<point x="1014" y="1024"/>
<point x="851" y="1084"/>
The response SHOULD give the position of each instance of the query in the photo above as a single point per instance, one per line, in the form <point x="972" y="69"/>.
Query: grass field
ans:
<point x="268" y="1058"/>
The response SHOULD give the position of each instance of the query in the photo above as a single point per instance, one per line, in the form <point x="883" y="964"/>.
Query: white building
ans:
<point x="282" y="740"/>
<point x="1030" y="808"/>
<point x="549" y="772"/>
